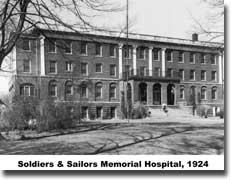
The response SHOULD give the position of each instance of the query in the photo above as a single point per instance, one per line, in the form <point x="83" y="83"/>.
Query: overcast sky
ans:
<point x="162" y="17"/>
<point x="155" y="17"/>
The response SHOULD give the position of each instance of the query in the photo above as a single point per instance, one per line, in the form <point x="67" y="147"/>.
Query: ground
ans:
<point x="157" y="136"/>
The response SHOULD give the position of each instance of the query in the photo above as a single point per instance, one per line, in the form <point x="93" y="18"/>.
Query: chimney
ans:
<point x="195" y="37"/>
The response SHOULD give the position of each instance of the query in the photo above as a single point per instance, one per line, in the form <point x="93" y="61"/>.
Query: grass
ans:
<point x="127" y="138"/>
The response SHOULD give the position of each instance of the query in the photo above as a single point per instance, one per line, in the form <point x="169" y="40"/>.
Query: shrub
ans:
<point x="139" y="111"/>
<point x="203" y="110"/>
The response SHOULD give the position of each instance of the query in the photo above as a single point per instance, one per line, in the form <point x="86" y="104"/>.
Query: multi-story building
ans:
<point x="92" y="69"/>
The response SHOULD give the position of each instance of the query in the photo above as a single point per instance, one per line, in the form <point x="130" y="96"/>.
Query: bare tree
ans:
<point x="213" y="28"/>
<point x="20" y="16"/>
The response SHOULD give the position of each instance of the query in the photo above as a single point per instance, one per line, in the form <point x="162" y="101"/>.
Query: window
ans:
<point x="51" y="46"/>
<point x="99" y="112"/>
<point x="169" y="56"/>
<point x="192" y="74"/>
<point x="112" y="91"/>
<point x="142" y="71"/>
<point x="98" y="90"/>
<point x="112" y="50"/>
<point x="112" y="70"/>
<point x="83" y="48"/>
<point x="169" y="72"/>
<point x="98" y="68"/>
<point x="192" y="58"/>
<point x="214" y="93"/>
<point x="213" y="59"/>
<point x="84" y="92"/>
<point x="127" y="69"/>
<point x="141" y="53"/>
<point x="26" y="45"/>
<point x="214" y="75"/>
<point x="181" y="57"/>
<point x="156" y="54"/>
<point x="157" y="71"/>
<point x="203" y="75"/>
<point x="68" y="47"/>
<point x="26" y="65"/>
<point x="98" y="49"/>
<point x="181" y="92"/>
<point x="52" y="88"/>
<point x="69" y="88"/>
<point x="53" y="67"/>
<point x="181" y="74"/>
<point x="84" y="112"/>
<point x="203" y="58"/>
<point x="70" y="111"/>
<point x="27" y="90"/>
<point x="84" y="69"/>
<point x="113" y="112"/>
<point x="69" y="67"/>
<point x="203" y="93"/>
<point x="127" y="53"/>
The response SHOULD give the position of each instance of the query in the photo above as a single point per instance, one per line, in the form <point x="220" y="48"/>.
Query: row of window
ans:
<point x="203" y="93"/>
<point x="69" y="67"/>
<point x="29" y="90"/>
<point x="99" y="112"/>
<point x="141" y="51"/>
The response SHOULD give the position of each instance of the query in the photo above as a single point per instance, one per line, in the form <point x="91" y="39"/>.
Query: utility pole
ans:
<point x="127" y="73"/>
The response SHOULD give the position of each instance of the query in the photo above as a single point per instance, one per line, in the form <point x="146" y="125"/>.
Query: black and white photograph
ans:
<point x="112" y="77"/>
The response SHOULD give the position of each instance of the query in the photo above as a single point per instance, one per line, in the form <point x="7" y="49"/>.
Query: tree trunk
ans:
<point x="1" y="137"/>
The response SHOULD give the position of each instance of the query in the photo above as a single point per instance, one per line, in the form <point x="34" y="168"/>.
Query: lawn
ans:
<point x="167" y="137"/>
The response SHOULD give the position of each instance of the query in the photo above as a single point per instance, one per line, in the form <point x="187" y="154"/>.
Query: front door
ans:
<point x="157" y="94"/>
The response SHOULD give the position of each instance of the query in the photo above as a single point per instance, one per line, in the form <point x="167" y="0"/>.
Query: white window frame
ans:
<point x="205" y="75"/>
<point x="27" y="50"/>
<point x="194" y="74"/>
<point x="194" y="58"/>
<point x="142" y="49"/>
<point x="158" y="54"/>
<point x="114" y="65"/>
<point x="215" y="59"/>
<point x="182" y="88"/>
<point x="101" y="111"/>
<point x="56" y="91"/>
<point x="101" y="50"/>
<point x="29" y="66"/>
<point x="70" y="48"/>
<point x="29" y="88"/>
<point x="115" y="91"/>
<point x="101" y="67"/>
<point x="114" y="50"/>
<point x="86" y="68"/>
<point x="204" y="58"/>
<point x="182" y="57"/>
<point x="72" y="90"/>
<point x="69" y="66"/>
<point x="86" y="92"/>
<point x="129" y="53"/>
<point x="55" y="67"/>
<point x="215" y="76"/>
<point x="215" y="93"/>
<point x="182" y="73"/>
<point x="171" y="56"/>
<point x="205" y="93"/>
<point x="86" y="49"/>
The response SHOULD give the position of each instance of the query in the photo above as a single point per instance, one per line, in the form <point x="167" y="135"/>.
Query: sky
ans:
<point x="171" y="18"/>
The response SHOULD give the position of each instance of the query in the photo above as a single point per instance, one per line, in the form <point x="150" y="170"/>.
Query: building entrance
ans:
<point x="143" y="92"/>
<point x="157" y="94"/>
<point x="170" y="94"/>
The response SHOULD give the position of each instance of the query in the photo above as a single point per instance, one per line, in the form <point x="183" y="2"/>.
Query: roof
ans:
<point x="136" y="36"/>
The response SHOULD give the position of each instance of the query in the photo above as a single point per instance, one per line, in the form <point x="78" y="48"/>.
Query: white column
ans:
<point x="42" y="56"/>
<point x="220" y="66"/>
<point x="120" y="61"/>
<point x="134" y="59"/>
<point x="163" y="68"/>
<point x="150" y="60"/>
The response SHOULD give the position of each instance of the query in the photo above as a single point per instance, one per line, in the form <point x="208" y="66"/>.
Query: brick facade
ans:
<point x="141" y="74"/>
